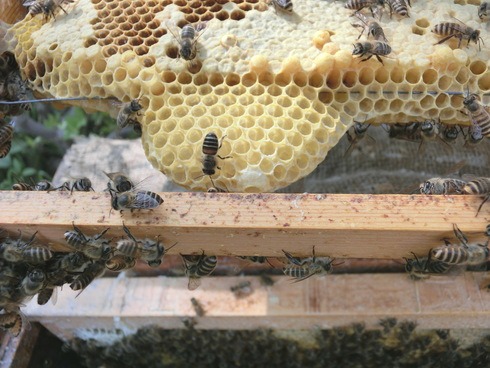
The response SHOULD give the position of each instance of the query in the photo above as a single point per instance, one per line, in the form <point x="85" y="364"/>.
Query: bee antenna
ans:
<point x="173" y="245"/>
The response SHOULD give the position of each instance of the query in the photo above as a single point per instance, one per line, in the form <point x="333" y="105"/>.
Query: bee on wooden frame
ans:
<point x="461" y="254"/>
<point x="197" y="267"/>
<point x="442" y="186"/>
<point x="478" y="186"/>
<point x="422" y="268"/>
<point x="134" y="200"/>
<point x="302" y="268"/>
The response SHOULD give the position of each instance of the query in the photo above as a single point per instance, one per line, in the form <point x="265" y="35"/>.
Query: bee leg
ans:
<point x="379" y="59"/>
<point x="482" y="203"/>
<point x="444" y="39"/>
<point x="59" y="6"/>
<point x="224" y="158"/>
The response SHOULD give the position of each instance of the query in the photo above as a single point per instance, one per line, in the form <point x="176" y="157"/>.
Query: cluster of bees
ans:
<point x="379" y="46"/>
<point x="449" y="258"/>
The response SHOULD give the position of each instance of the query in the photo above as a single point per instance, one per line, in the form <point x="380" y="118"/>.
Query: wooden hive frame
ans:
<point x="341" y="226"/>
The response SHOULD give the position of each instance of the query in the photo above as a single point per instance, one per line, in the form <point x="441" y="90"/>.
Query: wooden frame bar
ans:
<point x="335" y="300"/>
<point x="341" y="226"/>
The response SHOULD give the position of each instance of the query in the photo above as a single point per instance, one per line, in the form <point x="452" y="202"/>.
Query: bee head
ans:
<point x="358" y="48"/>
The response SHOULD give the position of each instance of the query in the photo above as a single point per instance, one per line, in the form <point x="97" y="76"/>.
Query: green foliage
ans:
<point x="26" y="160"/>
<point x="33" y="158"/>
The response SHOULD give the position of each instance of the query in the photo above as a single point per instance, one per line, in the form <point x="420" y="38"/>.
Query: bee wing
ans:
<point x="303" y="278"/>
<point x="457" y="20"/>
<point x="173" y="29"/>
<point x="194" y="283"/>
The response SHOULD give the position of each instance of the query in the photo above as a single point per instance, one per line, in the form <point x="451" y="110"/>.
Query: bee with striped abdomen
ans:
<point x="146" y="250"/>
<point x="458" y="30"/>
<point x="134" y="200"/>
<point x="478" y="186"/>
<point x="197" y="267"/>
<point x="6" y="136"/>
<point x="12" y="321"/>
<point x="284" y="5"/>
<point x="36" y="255"/>
<point x="375" y="6"/>
<point x="370" y="26"/>
<point x="399" y="7"/>
<point x="120" y="262"/>
<point x="462" y="254"/>
<point x="95" y="247"/>
<point x="89" y="274"/>
<point x="479" y="114"/>
<point x="302" y="268"/>
<point x="45" y="7"/>
<point x="210" y="148"/>
<point x="442" y="186"/>
<point x="422" y="268"/>
<point x="368" y="49"/>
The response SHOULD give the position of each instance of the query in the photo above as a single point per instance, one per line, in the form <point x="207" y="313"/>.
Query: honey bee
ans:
<point x="478" y="186"/>
<point x="45" y="295"/>
<point x="16" y="90"/>
<point x="12" y="321"/>
<point x="358" y="134"/>
<point x="91" y="272"/>
<point x="442" y="186"/>
<point x="483" y="9"/>
<point x="45" y="7"/>
<point x="473" y="136"/>
<point x="200" y="312"/>
<point x="242" y="289"/>
<point x="6" y="136"/>
<point x="458" y="30"/>
<point x="399" y="7"/>
<point x="210" y="148"/>
<point x="370" y="49"/>
<point x="32" y="283"/>
<point x="134" y="200"/>
<point x="82" y="185"/>
<point x="120" y="262"/>
<point x="95" y="247"/>
<point x="302" y="268"/>
<point x="22" y="186"/>
<point x="450" y="133"/>
<point x="44" y="185"/>
<point x="197" y="267"/>
<point x="146" y="250"/>
<point x="13" y="251"/>
<point x="478" y="113"/>
<point x="127" y="112"/>
<point x="372" y="27"/>
<point x="373" y="5"/>
<point x="284" y="5"/>
<point x="121" y="182"/>
<point x="6" y="132"/>
<point x="35" y="255"/>
<point x="5" y="149"/>
<point x="422" y="268"/>
<point x="188" y="40"/>
<point x="70" y="262"/>
<point x="462" y="254"/>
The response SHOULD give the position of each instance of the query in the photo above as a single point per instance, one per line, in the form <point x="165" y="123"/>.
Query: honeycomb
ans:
<point x="279" y="89"/>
